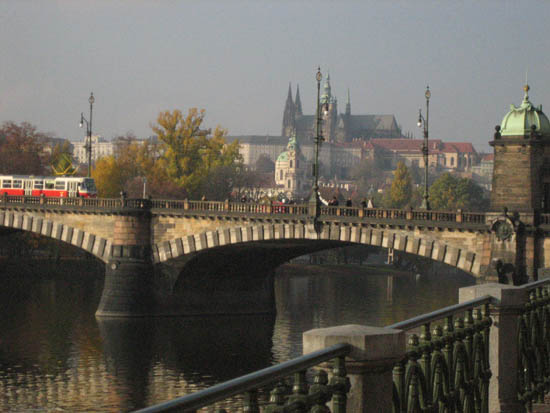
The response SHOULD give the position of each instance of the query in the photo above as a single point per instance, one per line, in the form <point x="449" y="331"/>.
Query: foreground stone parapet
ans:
<point x="374" y="352"/>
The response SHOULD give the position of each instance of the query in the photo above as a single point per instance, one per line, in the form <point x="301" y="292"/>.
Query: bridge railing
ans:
<point x="257" y="208"/>
<point x="453" y="342"/>
<point x="490" y="352"/>
<point x="302" y="397"/>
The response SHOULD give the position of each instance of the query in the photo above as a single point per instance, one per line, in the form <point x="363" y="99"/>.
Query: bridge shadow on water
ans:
<point x="193" y="351"/>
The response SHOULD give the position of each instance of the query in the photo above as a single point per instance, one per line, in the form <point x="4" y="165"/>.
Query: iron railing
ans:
<point x="446" y="368"/>
<point x="274" y="209"/>
<point x="301" y="397"/>
<point x="534" y="346"/>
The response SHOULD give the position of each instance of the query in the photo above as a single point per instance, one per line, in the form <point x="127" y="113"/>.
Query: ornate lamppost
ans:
<point x="88" y="144"/>
<point x="314" y="201"/>
<point x="423" y="122"/>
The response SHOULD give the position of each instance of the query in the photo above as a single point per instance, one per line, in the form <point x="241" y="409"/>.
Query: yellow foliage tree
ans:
<point x="190" y="157"/>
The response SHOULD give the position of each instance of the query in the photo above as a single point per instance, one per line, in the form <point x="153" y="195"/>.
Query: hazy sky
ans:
<point x="236" y="58"/>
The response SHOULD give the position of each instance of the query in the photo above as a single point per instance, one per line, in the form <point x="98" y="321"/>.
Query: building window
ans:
<point x="452" y="161"/>
<point x="290" y="166"/>
<point x="281" y="174"/>
<point x="288" y="184"/>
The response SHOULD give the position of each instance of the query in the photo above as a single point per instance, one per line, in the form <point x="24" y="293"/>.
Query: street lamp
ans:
<point x="318" y="139"/>
<point x="88" y="144"/>
<point x="423" y="122"/>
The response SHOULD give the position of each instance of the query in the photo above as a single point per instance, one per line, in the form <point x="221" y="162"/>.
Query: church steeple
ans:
<point x="348" y="105"/>
<point x="298" y="102"/>
<point x="289" y="114"/>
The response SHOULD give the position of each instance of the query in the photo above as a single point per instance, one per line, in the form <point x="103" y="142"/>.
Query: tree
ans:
<point x="450" y="192"/>
<point x="190" y="157"/>
<point x="21" y="149"/>
<point x="401" y="187"/>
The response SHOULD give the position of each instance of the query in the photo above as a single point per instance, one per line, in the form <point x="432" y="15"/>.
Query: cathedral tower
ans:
<point x="289" y="115"/>
<point x="298" y="103"/>
<point x="329" y="111"/>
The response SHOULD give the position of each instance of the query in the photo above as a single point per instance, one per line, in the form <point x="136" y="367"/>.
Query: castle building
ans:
<point x="337" y="127"/>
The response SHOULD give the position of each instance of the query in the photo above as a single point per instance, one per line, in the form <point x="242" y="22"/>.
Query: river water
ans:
<point x="55" y="356"/>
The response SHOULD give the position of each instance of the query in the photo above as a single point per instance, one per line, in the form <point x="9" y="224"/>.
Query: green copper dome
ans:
<point x="283" y="157"/>
<point x="519" y="121"/>
<point x="291" y="146"/>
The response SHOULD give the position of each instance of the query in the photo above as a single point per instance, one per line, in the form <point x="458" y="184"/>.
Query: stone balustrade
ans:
<point x="186" y="206"/>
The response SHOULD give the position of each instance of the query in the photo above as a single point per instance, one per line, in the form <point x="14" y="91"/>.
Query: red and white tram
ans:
<point x="50" y="186"/>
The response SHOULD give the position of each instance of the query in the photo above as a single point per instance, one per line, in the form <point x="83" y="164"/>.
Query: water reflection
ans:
<point x="54" y="354"/>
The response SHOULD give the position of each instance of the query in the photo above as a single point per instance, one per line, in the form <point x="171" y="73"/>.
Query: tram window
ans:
<point x="38" y="184"/>
<point x="50" y="185"/>
<point x="17" y="183"/>
<point x="6" y="183"/>
<point x="60" y="185"/>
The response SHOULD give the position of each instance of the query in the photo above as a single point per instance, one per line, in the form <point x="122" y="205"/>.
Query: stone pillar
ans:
<point x="128" y="288"/>
<point x="503" y="343"/>
<point x="375" y="352"/>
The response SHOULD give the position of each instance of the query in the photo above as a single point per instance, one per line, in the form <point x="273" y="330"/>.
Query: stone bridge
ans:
<point x="188" y="242"/>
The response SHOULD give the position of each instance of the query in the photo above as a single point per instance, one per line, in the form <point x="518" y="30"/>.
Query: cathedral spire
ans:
<point x="348" y="105"/>
<point x="289" y="114"/>
<point x="298" y="102"/>
<point x="289" y="96"/>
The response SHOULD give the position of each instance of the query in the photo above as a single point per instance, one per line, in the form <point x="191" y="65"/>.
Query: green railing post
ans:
<point x="374" y="352"/>
<point x="503" y="346"/>
<point x="341" y="386"/>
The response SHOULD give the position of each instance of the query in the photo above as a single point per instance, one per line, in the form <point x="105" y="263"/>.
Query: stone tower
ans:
<point x="521" y="176"/>
<point x="329" y="112"/>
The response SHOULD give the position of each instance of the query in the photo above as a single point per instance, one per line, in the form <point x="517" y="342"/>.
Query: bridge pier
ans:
<point x="128" y="288"/>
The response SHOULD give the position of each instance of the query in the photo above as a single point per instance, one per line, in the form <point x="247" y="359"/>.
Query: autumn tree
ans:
<point x="186" y="162"/>
<point x="401" y="187"/>
<point x="191" y="158"/>
<point x="21" y="149"/>
<point x="450" y="192"/>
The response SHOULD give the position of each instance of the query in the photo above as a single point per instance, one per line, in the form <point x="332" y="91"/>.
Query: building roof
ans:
<point x="258" y="139"/>
<point x="415" y="145"/>
<point x="372" y="123"/>
<point x="461" y="147"/>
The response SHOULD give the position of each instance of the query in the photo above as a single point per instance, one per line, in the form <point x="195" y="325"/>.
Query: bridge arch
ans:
<point x="93" y="244"/>
<point x="409" y="241"/>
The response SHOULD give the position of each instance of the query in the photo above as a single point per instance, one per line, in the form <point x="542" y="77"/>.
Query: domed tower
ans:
<point x="291" y="170"/>
<point x="521" y="175"/>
